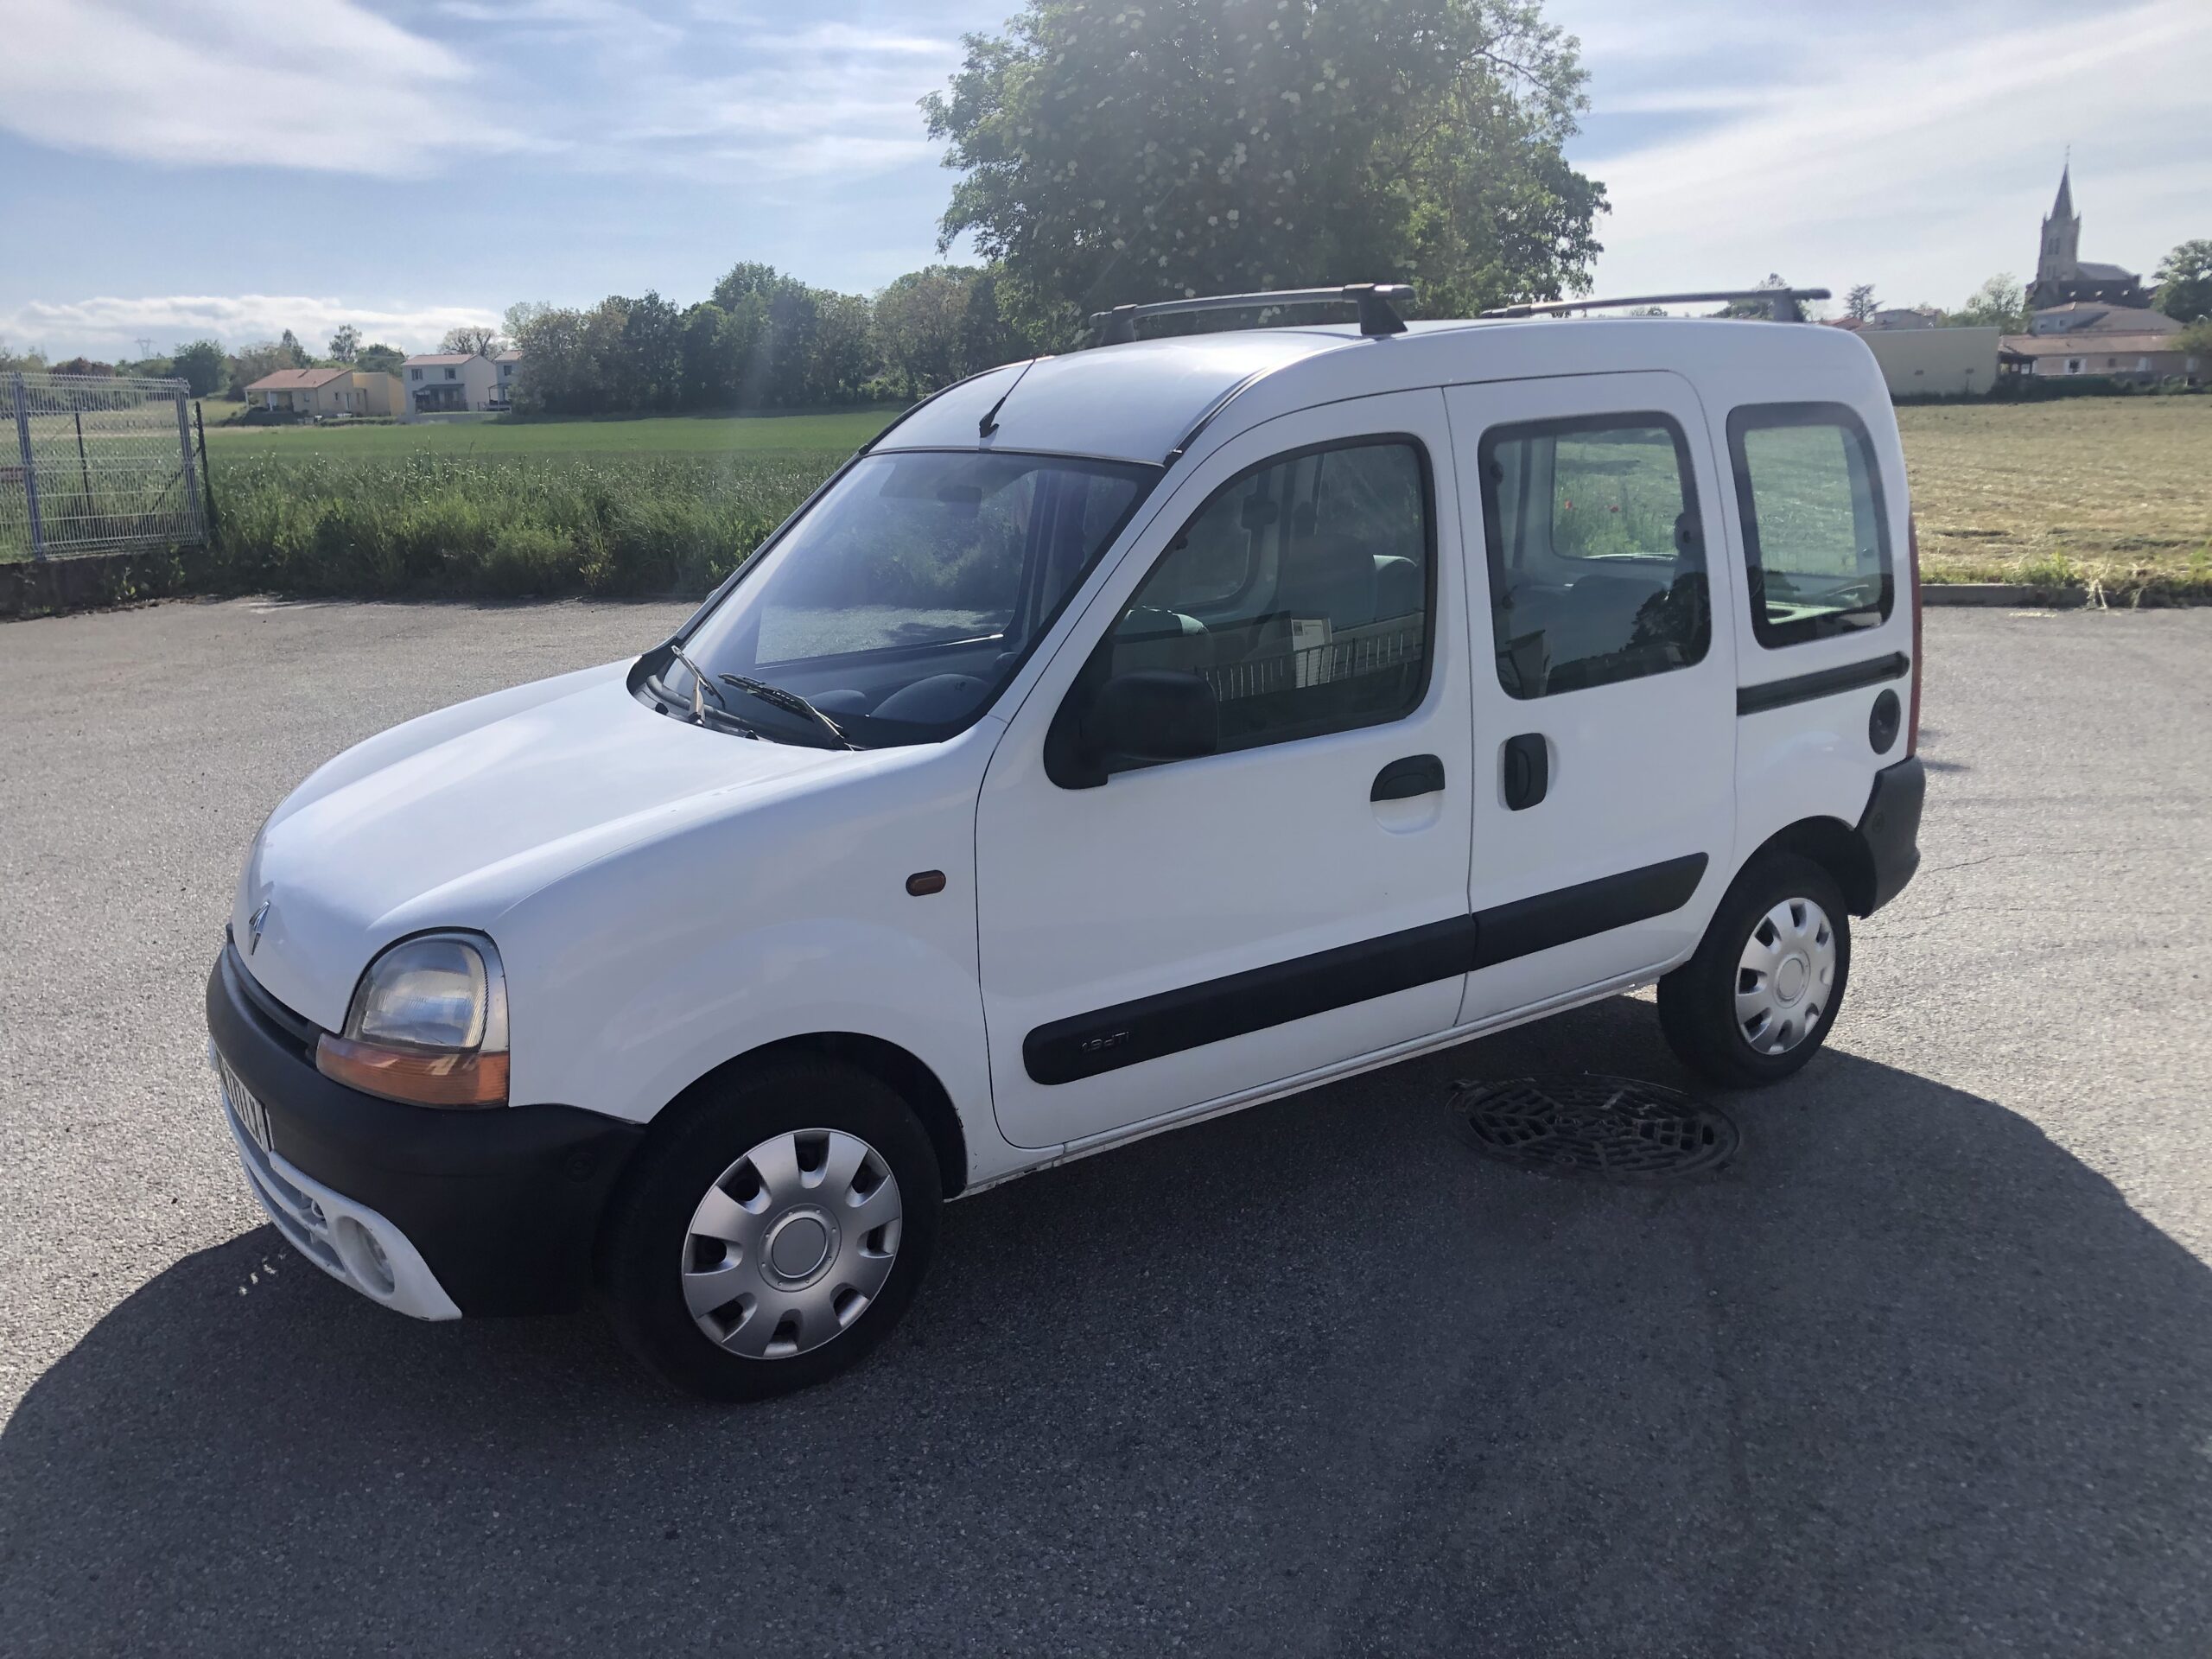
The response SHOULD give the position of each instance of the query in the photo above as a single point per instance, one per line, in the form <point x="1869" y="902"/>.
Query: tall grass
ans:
<point x="462" y="526"/>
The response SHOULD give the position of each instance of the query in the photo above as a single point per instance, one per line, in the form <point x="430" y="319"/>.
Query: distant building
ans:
<point x="325" y="392"/>
<point x="2112" y="356"/>
<point x="1899" y="317"/>
<point x="450" y="383"/>
<point x="2082" y="317"/>
<point x="1931" y="362"/>
<point x="506" y="362"/>
<point x="2063" y="276"/>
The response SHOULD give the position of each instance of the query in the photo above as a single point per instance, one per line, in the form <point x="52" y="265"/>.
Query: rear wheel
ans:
<point x="1757" y="1000"/>
<point x="776" y="1233"/>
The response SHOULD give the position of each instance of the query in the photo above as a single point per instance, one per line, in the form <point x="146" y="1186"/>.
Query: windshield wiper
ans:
<point x="699" y="686"/>
<point x="791" y="703"/>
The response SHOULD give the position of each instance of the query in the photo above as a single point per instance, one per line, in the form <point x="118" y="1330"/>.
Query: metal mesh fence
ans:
<point x="93" y="463"/>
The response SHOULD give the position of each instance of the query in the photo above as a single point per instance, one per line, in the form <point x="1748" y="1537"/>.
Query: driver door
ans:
<point x="1191" y="931"/>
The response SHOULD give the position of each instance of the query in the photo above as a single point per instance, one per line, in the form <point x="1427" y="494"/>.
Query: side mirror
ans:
<point x="1148" y="714"/>
<point x="1153" y="714"/>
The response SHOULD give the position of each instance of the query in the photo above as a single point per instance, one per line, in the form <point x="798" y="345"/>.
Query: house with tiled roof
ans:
<point x="326" y="392"/>
<point x="451" y="383"/>
<point x="2084" y="317"/>
<point x="2147" y="357"/>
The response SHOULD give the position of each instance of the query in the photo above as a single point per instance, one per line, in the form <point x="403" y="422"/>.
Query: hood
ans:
<point x="449" y="820"/>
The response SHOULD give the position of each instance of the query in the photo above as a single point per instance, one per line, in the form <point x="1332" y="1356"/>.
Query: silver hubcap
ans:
<point x="792" y="1243"/>
<point x="1786" y="976"/>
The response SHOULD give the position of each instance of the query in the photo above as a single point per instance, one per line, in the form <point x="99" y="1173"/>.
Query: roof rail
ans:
<point x="1375" y="301"/>
<point x="1783" y="302"/>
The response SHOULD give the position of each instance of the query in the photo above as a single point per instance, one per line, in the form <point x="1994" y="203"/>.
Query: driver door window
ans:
<point x="1302" y="592"/>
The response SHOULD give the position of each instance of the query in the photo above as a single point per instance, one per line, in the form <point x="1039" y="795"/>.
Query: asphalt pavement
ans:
<point x="1927" y="1370"/>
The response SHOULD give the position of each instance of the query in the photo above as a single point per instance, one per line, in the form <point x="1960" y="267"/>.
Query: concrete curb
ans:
<point x="2002" y="593"/>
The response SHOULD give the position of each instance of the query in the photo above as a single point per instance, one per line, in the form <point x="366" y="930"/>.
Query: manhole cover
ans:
<point x="1616" y="1129"/>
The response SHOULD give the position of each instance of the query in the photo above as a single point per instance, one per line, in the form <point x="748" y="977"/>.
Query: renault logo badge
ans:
<point x="253" y="926"/>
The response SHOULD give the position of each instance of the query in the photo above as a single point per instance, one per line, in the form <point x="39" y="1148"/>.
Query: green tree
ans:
<point x="345" y="344"/>
<point x="708" y="379"/>
<point x="1860" y="303"/>
<point x="1112" y="152"/>
<point x="201" y="366"/>
<point x="2185" y="281"/>
<point x="379" y="359"/>
<point x="652" y="341"/>
<point x="779" y="370"/>
<point x="920" y="324"/>
<point x="841" y="357"/>
<point x="610" y="384"/>
<point x="555" y="372"/>
<point x="259" y="357"/>
<point x="2000" y="302"/>
<point x="294" y="355"/>
<point x="473" y="338"/>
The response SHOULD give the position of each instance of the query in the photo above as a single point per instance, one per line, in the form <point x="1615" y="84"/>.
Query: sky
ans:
<point x="234" y="167"/>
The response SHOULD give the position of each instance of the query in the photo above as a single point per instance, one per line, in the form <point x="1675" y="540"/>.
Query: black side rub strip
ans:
<point x="1088" y="1044"/>
<point x="1528" y="926"/>
<point x="1822" y="682"/>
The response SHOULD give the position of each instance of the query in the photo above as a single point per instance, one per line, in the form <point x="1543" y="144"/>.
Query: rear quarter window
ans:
<point x="1816" y="537"/>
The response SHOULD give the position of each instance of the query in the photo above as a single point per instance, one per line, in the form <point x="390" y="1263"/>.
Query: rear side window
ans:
<point x="1816" y="539"/>
<point x="1301" y="592"/>
<point x="1597" y="563"/>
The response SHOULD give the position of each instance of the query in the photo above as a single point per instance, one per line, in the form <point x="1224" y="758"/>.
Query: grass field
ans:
<point x="625" y="506"/>
<point x="838" y="432"/>
<point x="2114" y="491"/>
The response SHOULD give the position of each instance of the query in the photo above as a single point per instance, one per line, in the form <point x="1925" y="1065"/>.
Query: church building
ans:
<point x="2063" y="276"/>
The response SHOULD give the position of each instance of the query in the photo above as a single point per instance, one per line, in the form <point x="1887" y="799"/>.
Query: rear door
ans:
<point x="1188" y="931"/>
<point x="1604" y="698"/>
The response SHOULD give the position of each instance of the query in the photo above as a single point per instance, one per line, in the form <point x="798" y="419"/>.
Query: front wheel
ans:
<point x="775" y="1235"/>
<point x="1757" y="1000"/>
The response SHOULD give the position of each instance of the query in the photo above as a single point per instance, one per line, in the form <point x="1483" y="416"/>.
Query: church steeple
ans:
<point x="2060" y="277"/>
<point x="2059" y="260"/>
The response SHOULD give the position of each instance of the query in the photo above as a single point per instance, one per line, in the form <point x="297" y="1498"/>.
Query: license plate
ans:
<point x="252" y="1115"/>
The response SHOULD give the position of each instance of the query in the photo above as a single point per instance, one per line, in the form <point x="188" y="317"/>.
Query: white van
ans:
<point x="1119" y="739"/>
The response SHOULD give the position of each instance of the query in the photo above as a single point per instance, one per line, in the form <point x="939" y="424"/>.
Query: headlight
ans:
<point x="429" y="1025"/>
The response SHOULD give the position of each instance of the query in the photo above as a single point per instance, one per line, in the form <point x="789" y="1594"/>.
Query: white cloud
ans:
<point x="1920" y="157"/>
<point x="110" y="327"/>
<point x="592" y="85"/>
<point x="317" y="84"/>
<point x="831" y="100"/>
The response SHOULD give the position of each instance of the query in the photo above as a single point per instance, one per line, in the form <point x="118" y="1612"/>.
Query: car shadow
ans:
<point x="1908" y="1377"/>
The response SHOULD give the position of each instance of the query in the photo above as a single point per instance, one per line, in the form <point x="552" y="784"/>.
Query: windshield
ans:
<point x="905" y="599"/>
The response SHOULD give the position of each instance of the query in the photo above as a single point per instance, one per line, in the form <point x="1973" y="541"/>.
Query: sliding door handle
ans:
<point x="1524" y="770"/>
<point x="1417" y="774"/>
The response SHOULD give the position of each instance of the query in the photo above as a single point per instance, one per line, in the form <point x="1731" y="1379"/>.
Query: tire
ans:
<point x="1781" y="907"/>
<point x="801" y="1157"/>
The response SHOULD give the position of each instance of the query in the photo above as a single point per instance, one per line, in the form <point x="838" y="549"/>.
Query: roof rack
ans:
<point x="1785" y="302"/>
<point x="1375" y="301"/>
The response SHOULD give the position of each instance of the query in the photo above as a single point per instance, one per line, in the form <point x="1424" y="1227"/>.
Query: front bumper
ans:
<point x="351" y="1243"/>
<point x="475" y="1212"/>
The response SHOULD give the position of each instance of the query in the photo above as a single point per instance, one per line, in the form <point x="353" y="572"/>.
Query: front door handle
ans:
<point x="1417" y="774"/>
<point x="1525" y="770"/>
